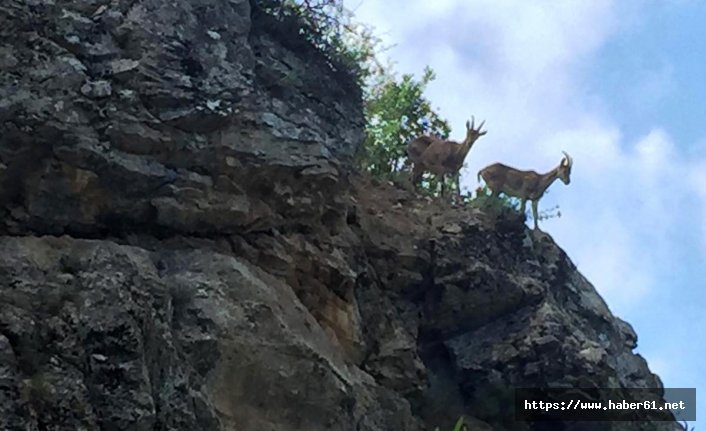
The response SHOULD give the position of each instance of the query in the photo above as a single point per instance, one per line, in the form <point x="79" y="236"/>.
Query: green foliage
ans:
<point x="458" y="427"/>
<point x="459" y="424"/>
<point x="483" y="196"/>
<point x="396" y="112"/>
<point x="497" y="206"/>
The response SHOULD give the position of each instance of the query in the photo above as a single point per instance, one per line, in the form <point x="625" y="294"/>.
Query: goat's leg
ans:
<point x="458" y="186"/>
<point x="455" y="194"/>
<point x="417" y="172"/>
<point x="535" y="215"/>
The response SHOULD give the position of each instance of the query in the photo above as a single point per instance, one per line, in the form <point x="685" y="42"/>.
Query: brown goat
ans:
<point x="441" y="157"/>
<point x="525" y="185"/>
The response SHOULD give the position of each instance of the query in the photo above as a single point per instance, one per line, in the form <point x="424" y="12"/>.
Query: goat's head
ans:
<point x="471" y="133"/>
<point x="564" y="170"/>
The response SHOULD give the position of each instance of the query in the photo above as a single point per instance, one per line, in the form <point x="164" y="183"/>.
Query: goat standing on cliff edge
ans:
<point x="525" y="185"/>
<point x="441" y="157"/>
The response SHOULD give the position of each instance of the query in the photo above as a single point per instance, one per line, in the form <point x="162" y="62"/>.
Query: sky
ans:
<point x="621" y="86"/>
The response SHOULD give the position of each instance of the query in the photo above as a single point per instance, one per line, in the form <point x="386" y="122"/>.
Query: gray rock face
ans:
<point x="185" y="116"/>
<point x="493" y="306"/>
<point x="183" y="246"/>
<point x="105" y="336"/>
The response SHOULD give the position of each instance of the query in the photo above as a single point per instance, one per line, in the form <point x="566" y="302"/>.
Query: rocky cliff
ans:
<point x="185" y="245"/>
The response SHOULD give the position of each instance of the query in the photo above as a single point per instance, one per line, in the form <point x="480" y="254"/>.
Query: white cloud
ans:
<point x="623" y="207"/>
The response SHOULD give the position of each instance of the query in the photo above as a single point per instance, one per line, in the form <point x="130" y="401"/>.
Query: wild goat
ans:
<point x="441" y="157"/>
<point x="525" y="185"/>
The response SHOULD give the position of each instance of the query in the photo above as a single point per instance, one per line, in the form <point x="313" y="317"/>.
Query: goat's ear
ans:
<point x="483" y="133"/>
<point x="564" y="162"/>
<point x="468" y="125"/>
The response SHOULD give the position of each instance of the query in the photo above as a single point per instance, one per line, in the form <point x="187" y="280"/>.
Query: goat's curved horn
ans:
<point x="569" y="160"/>
<point x="473" y="121"/>
<point x="481" y="125"/>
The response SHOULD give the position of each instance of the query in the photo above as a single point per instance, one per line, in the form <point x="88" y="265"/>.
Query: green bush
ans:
<point x="396" y="112"/>
<point x="482" y="199"/>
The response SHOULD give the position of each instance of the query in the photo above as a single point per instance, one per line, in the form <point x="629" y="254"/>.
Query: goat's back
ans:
<point x="494" y="172"/>
<point x="498" y="174"/>
<point x="417" y="147"/>
<point x="502" y="178"/>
